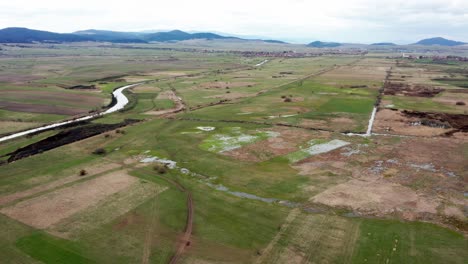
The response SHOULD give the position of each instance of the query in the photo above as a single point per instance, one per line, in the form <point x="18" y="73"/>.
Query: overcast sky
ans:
<point x="363" y="21"/>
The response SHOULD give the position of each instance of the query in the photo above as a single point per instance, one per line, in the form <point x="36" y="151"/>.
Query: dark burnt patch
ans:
<point x="396" y="88"/>
<point x="458" y="122"/>
<point x="65" y="137"/>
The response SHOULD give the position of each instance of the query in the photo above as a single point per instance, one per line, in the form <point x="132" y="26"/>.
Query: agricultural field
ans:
<point x="225" y="158"/>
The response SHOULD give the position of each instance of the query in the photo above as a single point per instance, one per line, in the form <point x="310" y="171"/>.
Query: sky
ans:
<point x="297" y="21"/>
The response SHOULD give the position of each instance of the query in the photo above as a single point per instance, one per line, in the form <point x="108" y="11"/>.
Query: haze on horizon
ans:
<point x="299" y="21"/>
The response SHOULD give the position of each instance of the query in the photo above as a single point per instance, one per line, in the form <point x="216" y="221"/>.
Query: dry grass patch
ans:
<point x="107" y="209"/>
<point x="46" y="210"/>
<point x="394" y="122"/>
<point x="315" y="239"/>
<point x="376" y="197"/>
<point x="57" y="183"/>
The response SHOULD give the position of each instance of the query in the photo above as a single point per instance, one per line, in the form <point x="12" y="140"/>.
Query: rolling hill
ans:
<point x="439" y="41"/>
<point x="320" y="44"/>
<point x="25" y="35"/>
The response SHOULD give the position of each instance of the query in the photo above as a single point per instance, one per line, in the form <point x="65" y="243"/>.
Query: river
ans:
<point x="121" y="102"/>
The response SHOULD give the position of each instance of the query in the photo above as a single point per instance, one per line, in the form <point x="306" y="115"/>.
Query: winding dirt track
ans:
<point x="184" y="241"/>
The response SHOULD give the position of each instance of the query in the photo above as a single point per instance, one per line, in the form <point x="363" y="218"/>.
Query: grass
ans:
<point x="48" y="249"/>
<point x="459" y="82"/>
<point x="386" y="241"/>
<point x="419" y="104"/>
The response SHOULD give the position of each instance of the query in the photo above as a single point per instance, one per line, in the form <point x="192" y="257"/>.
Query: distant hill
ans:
<point x="320" y="44"/>
<point x="383" y="44"/>
<point x="111" y="36"/>
<point x="25" y="35"/>
<point x="275" y="41"/>
<point x="178" y="35"/>
<point x="439" y="41"/>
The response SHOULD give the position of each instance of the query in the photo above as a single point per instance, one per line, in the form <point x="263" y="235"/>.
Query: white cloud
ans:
<point x="350" y="21"/>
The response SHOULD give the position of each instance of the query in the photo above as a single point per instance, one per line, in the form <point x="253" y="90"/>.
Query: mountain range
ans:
<point x="25" y="35"/>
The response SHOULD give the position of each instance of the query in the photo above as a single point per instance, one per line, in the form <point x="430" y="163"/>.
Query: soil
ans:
<point x="46" y="210"/>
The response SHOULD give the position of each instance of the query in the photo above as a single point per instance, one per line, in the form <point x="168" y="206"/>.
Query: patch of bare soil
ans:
<point x="46" y="210"/>
<point x="397" y="88"/>
<point x="376" y="197"/>
<point x="286" y="142"/>
<point x="396" y="122"/>
<point x="57" y="183"/>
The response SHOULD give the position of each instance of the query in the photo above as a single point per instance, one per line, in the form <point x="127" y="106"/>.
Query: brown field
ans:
<point x="46" y="210"/>
<point x="394" y="122"/>
<point x="57" y="183"/>
<point x="376" y="197"/>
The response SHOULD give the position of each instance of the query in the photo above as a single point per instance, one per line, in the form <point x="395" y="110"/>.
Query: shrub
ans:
<point x="160" y="168"/>
<point x="99" y="151"/>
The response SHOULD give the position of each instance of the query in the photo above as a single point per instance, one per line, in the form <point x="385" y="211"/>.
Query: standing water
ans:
<point x="371" y="122"/>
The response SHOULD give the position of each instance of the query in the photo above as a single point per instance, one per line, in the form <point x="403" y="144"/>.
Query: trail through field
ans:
<point x="184" y="241"/>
